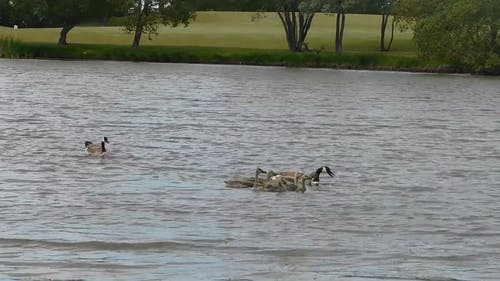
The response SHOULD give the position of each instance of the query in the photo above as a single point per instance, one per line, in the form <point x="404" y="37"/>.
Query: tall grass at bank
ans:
<point x="11" y="48"/>
<point x="241" y="56"/>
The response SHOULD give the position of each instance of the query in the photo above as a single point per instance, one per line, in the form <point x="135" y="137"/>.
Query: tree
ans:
<point x="366" y="7"/>
<point x="379" y="7"/>
<point x="339" y="7"/>
<point x="5" y="11"/>
<point x="62" y="13"/>
<point x="25" y="13"/>
<point x="464" y="33"/>
<point x="296" y="17"/>
<point x="68" y="13"/>
<point x="234" y="5"/>
<point x="145" y="16"/>
<point x="385" y="9"/>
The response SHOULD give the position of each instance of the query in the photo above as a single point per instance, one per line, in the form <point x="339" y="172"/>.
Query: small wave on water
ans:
<point x="100" y="245"/>
<point x="381" y="277"/>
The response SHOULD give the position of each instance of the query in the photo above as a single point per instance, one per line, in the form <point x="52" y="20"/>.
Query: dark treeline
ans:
<point x="235" y="5"/>
<point x="359" y="7"/>
<point x="5" y="12"/>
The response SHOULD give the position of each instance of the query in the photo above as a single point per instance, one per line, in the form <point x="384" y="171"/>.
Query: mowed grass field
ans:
<point x="233" y="30"/>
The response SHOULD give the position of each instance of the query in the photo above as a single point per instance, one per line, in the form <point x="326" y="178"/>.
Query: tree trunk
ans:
<point x="285" y="18"/>
<point x="392" y="34"/>
<point x="382" y="32"/>
<point x="139" y="25"/>
<point x="337" y="27"/>
<point x="339" y="32"/>
<point x="385" y="20"/>
<point x="342" y="33"/>
<point x="64" y="34"/>
<point x="139" y="28"/>
<point x="304" y="26"/>
<point x="137" y="38"/>
<point x="296" y="26"/>
<point x="494" y="39"/>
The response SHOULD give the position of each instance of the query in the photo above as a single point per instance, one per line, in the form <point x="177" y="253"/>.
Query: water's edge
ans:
<point x="210" y="55"/>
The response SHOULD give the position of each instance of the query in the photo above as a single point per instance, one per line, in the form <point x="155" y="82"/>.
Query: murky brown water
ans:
<point x="416" y="197"/>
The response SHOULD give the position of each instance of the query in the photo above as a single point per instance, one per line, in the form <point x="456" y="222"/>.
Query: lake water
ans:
<point x="417" y="158"/>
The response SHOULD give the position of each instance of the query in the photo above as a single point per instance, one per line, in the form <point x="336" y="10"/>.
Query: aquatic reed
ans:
<point x="12" y="48"/>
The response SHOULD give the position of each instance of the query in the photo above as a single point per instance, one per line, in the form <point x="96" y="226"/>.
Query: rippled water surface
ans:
<point x="416" y="196"/>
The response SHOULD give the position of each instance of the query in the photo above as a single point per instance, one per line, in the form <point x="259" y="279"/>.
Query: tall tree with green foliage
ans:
<point x="235" y="5"/>
<point x="68" y="13"/>
<point x="59" y="13"/>
<point x="5" y="12"/>
<point x="296" y="17"/>
<point x="462" y="32"/>
<point x="145" y="16"/>
<point x="340" y="8"/>
<point x="409" y="12"/>
<point x="25" y="13"/>
<point x="385" y="8"/>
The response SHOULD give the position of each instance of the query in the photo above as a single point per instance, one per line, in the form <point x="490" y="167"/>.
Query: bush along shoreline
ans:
<point x="10" y="48"/>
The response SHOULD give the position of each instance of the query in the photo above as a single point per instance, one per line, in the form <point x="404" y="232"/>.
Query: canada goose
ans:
<point x="280" y="184"/>
<point x="301" y="186"/>
<point x="271" y="175"/>
<point x="272" y="185"/>
<point x="314" y="177"/>
<point x="96" y="150"/>
<point x="246" y="182"/>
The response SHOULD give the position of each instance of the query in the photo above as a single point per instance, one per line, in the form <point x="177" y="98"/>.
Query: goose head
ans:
<point x="326" y="169"/>
<point x="106" y="142"/>
<point x="259" y="171"/>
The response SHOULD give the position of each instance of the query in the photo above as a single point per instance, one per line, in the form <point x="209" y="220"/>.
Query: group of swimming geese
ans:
<point x="274" y="182"/>
<point x="279" y="181"/>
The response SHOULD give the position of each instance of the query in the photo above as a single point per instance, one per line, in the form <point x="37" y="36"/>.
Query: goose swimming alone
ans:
<point x="95" y="149"/>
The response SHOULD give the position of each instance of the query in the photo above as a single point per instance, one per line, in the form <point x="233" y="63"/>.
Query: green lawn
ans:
<point x="233" y="30"/>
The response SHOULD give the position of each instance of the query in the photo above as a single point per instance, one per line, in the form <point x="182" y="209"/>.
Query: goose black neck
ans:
<point x="103" y="147"/>
<point x="315" y="176"/>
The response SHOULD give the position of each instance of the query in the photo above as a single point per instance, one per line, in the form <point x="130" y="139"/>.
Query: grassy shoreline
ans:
<point x="231" y="30"/>
<point x="10" y="48"/>
<point x="227" y="38"/>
